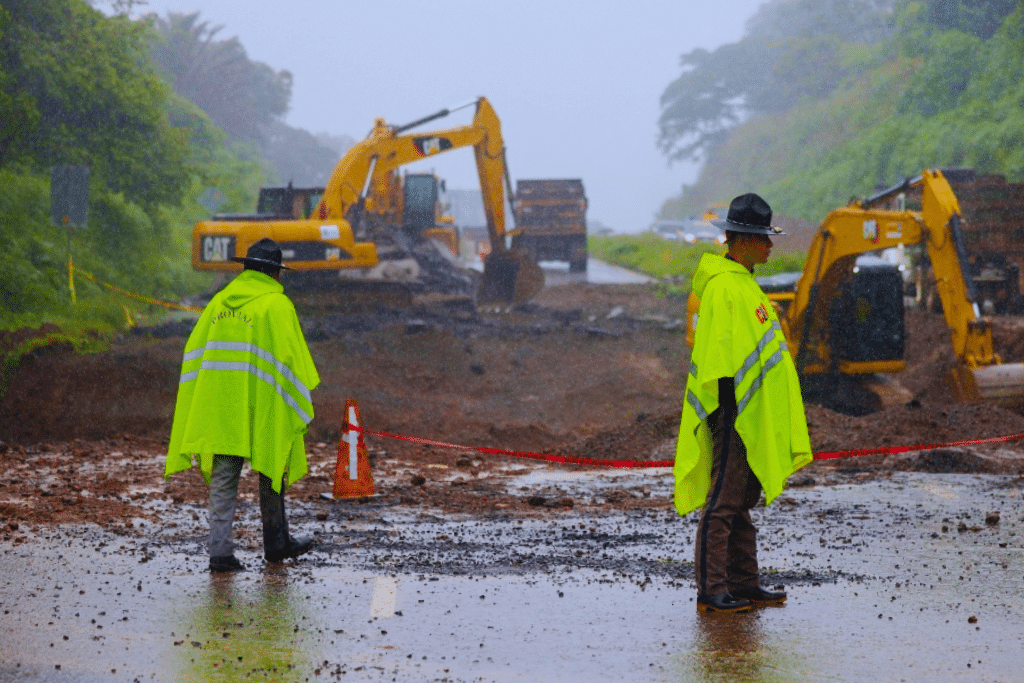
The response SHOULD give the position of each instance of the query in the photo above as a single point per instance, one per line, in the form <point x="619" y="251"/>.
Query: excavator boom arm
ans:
<point x="367" y="171"/>
<point x="368" y="164"/>
<point x="860" y="228"/>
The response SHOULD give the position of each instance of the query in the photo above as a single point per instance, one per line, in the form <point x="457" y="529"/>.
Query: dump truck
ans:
<point x="551" y="221"/>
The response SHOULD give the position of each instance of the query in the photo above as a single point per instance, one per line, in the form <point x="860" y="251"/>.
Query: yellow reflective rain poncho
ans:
<point x="245" y="383"/>
<point x="738" y="336"/>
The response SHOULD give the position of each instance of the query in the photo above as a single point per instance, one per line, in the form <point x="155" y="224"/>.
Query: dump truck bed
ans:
<point x="551" y="217"/>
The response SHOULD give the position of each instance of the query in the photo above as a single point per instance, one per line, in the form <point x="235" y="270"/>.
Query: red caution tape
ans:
<point x="888" y="450"/>
<point x="597" y="462"/>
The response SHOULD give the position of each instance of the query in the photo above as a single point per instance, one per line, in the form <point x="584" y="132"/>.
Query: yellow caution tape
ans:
<point x="72" y="270"/>
<point x="71" y="280"/>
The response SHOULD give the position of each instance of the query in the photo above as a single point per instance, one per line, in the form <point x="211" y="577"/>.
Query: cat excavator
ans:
<point x="356" y="232"/>
<point x="843" y="320"/>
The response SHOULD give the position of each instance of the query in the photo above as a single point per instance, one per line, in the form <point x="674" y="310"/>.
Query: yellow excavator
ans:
<point x="355" y="231"/>
<point x="843" y="319"/>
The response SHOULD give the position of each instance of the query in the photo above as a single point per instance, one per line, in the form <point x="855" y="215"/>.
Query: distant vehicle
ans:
<point x="691" y="230"/>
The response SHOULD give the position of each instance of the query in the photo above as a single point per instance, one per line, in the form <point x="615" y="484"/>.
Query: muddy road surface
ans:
<point x="473" y="567"/>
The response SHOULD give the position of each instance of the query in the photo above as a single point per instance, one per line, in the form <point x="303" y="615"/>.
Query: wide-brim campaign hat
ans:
<point x="751" y="214"/>
<point x="264" y="253"/>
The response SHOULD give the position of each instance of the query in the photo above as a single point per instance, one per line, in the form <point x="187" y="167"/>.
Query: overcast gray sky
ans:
<point x="575" y="83"/>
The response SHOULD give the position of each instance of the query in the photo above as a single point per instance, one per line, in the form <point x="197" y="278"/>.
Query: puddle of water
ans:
<point x="385" y="596"/>
<point x="590" y="483"/>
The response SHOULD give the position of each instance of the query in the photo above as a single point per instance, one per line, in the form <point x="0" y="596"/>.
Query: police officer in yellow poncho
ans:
<point x="244" y="396"/>
<point x="743" y="428"/>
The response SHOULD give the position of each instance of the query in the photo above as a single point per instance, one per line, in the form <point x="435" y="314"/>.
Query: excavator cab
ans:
<point x="419" y="208"/>
<point x="289" y="201"/>
<point x="866" y="320"/>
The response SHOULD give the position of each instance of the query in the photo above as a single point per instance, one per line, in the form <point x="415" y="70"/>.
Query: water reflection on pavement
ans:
<point x="896" y="593"/>
<point x="597" y="273"/>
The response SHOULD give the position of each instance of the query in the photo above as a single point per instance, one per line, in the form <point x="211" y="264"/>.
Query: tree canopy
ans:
<point x="792" y="49"/>
<point x="241" y="96"/>
<point x="247" y="99"/>
<point x="828" y="112"/>
<point x="78" y="88"/>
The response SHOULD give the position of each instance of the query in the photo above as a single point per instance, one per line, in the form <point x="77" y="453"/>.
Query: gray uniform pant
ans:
<point x="726" y="545"/>
<point x="227" y="470"/>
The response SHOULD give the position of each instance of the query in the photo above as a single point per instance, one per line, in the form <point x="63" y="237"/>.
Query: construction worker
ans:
<point x="244" y="397"/>
<point x="743" y="428"/>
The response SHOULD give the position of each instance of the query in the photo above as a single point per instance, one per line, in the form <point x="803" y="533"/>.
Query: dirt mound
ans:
<point x="1008" y="338"/>
<point x="58" y="395"/>
<point x="929" y="351"/>
<point x="12" y="339"/>
<point x="638" y="441"/>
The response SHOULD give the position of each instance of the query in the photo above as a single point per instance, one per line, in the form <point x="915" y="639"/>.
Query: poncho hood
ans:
<point x="249" y="285"/>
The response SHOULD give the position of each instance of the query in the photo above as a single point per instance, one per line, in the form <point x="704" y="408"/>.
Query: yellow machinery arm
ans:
<point x="366" y="171"/>
<point x="853" y="230"/>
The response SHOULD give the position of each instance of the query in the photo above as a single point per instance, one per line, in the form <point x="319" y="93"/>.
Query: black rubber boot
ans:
<point x="722" y="602"/>
<point x="760" y="596"/>
<point x="278" y="544"/>
<point x="275" y="523"/>
<point x="225" y="564"/>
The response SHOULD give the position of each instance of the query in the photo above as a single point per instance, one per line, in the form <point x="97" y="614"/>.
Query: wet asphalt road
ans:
<point x="598" y="273"/>
<point x="892" y="579"/>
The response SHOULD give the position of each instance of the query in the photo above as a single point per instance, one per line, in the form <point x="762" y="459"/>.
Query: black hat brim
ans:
<point x="732" y="226"/>
<point x="262" y="261"/>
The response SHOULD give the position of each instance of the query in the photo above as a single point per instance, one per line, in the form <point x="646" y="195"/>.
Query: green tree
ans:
<point x="926" y="98"/>
<point x="707" y="100"/>
<point x="793" y="49"/>
<point x="242" y="97"/>
<point x="951" y="60"/>
<point x="980" y="18"/>
<point x="80" y="89"/>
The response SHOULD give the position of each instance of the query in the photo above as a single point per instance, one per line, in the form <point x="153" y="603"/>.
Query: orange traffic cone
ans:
<point x="352" y="476"/>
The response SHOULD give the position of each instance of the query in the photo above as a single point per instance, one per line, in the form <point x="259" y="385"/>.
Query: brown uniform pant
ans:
<point x="726" y="546"/>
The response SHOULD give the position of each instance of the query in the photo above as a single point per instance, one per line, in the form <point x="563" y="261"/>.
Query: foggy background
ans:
<point x="575" y="84"/>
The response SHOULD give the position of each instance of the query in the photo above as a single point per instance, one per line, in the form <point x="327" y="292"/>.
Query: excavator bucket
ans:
<point x="1002" y="383"/>
<point x="509" y="277"/>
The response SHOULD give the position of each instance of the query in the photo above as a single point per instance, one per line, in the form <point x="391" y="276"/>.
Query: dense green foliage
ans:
<point x="79" y="87"/>
<point x="790" y="53"/>
<point x="674" y="263"/>
<point x="83" y="93"/>
<point x="925" y="84"/>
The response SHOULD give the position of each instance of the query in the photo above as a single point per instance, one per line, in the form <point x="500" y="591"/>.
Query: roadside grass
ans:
<point x="673" y="263"/>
